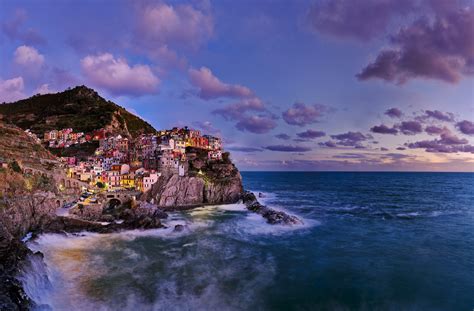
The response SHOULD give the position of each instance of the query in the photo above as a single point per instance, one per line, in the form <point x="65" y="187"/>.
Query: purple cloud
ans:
<point x="310" y="134"/>
<point x="401" y="148"/>
<point x="394" y="113"/>
<point x="256" y="124"/>
<point x="448" y="138"/>
<point x="300" y="114"/>
<point x="466" y="127"/>
<point x="236" y="110"/>
<point x="349" y="139"/>
<point x="410" y="127"/>
<point x="287" y="148"/>
<point x="434" y="130"/>
<point x="180" y="25"/>
<point x="118" y="77"/>
<point x="283" y="136"/>
<point x="11" y="89"/>
<point x="384" y="149"/>
<point x="210" y="87"/>
<point x="13" y="29"/>
<point x="244" y="149"/>
<point x="383" y="129"/>
<point x="329" y="144"/>
<point x="447" y="143"/>
<point x="361" y="20"/>
<point x="438" y="115"/>
<point x="440" y="50"/>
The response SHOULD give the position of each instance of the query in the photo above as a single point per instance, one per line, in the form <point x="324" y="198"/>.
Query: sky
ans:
<point x="375" y="85"/>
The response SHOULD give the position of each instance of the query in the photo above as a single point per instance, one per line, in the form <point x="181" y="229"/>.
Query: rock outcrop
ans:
<point x="272" y="216"/>
<point x="175" y="191"/>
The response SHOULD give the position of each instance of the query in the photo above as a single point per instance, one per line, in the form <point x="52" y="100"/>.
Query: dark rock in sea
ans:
<point x="272" y="216"/>
<point x="178" y="228"/>
<point x="261" y="195"/>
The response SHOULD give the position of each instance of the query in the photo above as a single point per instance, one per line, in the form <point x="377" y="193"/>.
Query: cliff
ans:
<point x="31" y="186"/>
<point x="80" y="108"/>
<point x="177" y="191"/>
<point x="208" y="182"/>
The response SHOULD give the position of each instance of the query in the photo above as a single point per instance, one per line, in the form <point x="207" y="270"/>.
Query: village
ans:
<point x="121" y="164"/>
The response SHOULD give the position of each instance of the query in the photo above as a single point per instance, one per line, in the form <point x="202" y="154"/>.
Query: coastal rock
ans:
<point x="178" y="228"/>
<point x="188" y="191"/>
<point x="272" y="216"/>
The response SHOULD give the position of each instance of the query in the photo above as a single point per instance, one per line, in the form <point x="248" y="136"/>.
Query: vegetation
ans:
<point x="15" y="166"/>
<point x="79" y="108"/>
<point x="80" y="151"/>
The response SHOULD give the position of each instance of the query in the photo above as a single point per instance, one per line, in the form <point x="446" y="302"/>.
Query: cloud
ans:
<point x="118" y="77"/>
<point x="401" y="148"/>
<point x="44" y="89"/>
<point x="28" y="57"/>
<point x="239" y="111"/>
<point x="438" y="115"/>
<point x="207" y="127"/>
<point x="11" y="90"/>
<point x="256" y="124"/>
<point x="410" y="127"/>
<point x="310" y="134"/>
<point x="210" y="87"/>
<point x="244" y="149"/>
<point x="447" y="138"/>
<point x="434" y="130"/>
<point x="287" y="148"/>
<point x="441" y="50"/>
<point x="236" y="110"/>
<point x="384" y="129"/>
<point x="361" y="20"/>
<point x="466" y="127"/>
<point x="329" y="144"/>
<point x="300" y="114"/>
<point x="384" y="149"/>
<point x="13" y="29"/>
<point x="394" y="113"/>
<point x="283" y="136"/>
<point x="180" y="25"/>
<point x="447" y="143"/>
<point x="351" y="139"/>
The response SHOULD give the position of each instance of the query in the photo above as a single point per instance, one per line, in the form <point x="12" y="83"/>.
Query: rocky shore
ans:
<point x="138" y="215"/>
<point x="272" y="216"/>
<point x="33" y="187"/>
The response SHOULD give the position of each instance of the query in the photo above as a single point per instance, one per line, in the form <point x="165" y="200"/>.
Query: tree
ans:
<point x="100" y="185"/>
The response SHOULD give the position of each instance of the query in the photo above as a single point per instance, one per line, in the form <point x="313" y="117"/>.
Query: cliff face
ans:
<point x="225" y="186"/>
<point x="29" y="195"/>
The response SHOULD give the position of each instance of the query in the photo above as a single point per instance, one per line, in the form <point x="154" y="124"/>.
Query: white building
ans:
<point x="149" y="180"/>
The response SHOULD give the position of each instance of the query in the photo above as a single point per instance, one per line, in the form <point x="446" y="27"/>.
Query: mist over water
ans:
<point x="371" y="241"/>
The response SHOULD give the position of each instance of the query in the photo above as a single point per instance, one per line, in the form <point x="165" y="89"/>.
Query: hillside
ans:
<point x="80" y="108"/>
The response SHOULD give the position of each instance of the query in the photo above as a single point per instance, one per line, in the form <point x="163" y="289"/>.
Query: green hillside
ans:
<point x="80" y="108"/>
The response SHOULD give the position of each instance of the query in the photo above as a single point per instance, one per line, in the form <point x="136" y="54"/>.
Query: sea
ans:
<point x="370" y="241"/>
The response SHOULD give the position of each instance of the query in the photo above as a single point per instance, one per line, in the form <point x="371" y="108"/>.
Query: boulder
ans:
<point x="178" y="228"/>
<point x="272" y="216"/>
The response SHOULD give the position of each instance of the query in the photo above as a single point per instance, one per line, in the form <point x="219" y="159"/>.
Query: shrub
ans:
<point x="15" y="166"/>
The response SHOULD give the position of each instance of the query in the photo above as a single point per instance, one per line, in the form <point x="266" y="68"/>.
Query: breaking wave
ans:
<point x="211" y="264"/>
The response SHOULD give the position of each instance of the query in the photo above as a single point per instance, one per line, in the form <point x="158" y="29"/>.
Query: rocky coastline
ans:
<point x="272" y="216"/>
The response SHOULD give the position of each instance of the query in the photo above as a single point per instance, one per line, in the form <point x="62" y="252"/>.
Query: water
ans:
<point x="371" y="241"/>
